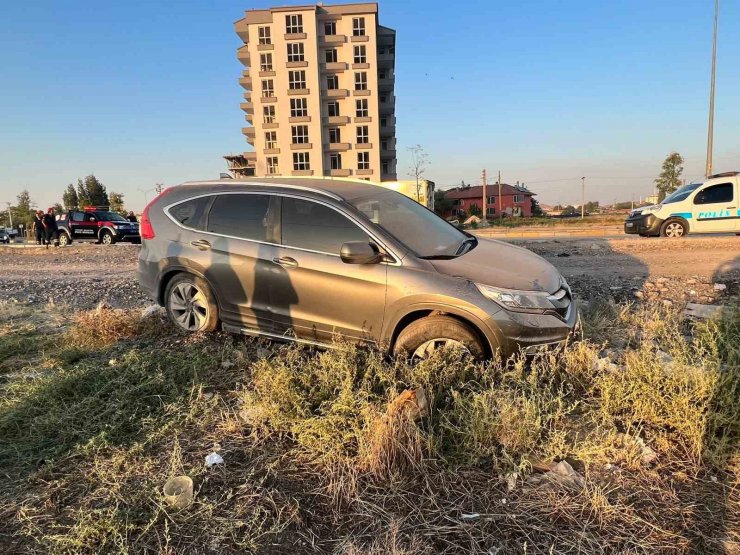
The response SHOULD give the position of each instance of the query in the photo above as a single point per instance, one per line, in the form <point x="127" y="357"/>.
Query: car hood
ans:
<point x="502" y="265"/>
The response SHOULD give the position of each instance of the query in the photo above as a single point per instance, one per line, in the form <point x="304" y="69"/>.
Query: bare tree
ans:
<point x="419" y="163"/>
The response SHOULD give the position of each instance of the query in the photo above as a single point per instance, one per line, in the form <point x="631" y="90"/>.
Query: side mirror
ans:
<point x="359" y="252"/>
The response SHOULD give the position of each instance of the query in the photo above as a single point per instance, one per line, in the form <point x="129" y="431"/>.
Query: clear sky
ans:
<point x="140" y="92"/>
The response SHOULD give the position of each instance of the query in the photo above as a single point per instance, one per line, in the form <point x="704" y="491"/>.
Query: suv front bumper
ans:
<point x="647" y="224"/>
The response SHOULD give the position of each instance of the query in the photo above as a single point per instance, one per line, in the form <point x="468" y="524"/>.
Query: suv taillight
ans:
<point x="145" y="226"/>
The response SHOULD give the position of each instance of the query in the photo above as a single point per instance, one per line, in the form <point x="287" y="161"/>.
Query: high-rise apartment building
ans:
<point x="319" y="92"/>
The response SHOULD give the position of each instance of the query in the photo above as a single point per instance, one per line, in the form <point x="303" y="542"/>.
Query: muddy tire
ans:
<point x="674" y="229"/>
<point x="421" y="337"/>
<point x="190" y="304"/>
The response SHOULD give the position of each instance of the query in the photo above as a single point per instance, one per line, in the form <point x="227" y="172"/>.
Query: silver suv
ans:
<point x="311" y="260"/>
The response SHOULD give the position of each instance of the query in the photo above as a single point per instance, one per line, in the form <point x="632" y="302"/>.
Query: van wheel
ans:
<point x="107" y="238"/>
<point x="422" y="337"/>
<point x="190" y="304"/>
<point x="674" y="229"/>
<point x="64" y="239"/>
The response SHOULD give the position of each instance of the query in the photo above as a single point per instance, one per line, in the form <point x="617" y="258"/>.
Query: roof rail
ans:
<point x="724" y="174"/>
<point x="258" y="183"/>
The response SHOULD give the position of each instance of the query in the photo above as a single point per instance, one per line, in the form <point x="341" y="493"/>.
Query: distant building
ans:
<point x="320" y="92"/>
<point x="514" y="201"/>
<point x="425" y="194"/>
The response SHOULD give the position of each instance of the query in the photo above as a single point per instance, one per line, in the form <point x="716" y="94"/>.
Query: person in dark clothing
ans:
<point x="131" y="217"/>
<point x="38" y="227"/>
<point x="50" y="225"/>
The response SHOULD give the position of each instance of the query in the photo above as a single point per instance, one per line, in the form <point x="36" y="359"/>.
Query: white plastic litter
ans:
<point x="214" y="458"/>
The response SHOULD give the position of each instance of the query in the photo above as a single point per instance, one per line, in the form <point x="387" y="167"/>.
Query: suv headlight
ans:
<point x="525" y="301"/>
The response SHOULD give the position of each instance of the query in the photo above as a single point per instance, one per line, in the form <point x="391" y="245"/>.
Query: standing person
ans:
<point x="50" y="225"/>
<point x="131" y="217"/>
<point x="38" y="227"/>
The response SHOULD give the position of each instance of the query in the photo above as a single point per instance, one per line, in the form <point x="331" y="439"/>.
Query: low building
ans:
<point x="424" y="195"/>
<point x="511" y="200"/>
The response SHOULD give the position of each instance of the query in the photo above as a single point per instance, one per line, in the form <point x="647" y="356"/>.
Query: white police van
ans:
<point x="711" y="206"/>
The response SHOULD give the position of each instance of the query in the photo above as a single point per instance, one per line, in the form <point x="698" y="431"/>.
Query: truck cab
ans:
<point x="96" y="223"/>
<point x="710" y="206"/>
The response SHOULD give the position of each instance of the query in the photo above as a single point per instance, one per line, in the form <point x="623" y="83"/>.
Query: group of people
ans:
<point x="45" y="227"/>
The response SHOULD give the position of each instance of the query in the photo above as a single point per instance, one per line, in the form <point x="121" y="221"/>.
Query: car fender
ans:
<point x="169" y="268"/>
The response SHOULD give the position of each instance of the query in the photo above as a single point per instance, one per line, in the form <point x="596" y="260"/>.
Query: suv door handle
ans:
<point x="286" y="262"/>
<point x="201" y="244"/>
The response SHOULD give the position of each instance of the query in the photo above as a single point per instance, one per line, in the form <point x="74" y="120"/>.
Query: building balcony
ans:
<point x="299" y="119"/>
<point x="246" y="82"/>
<point x="269" y="73"/>
<point x="363" y="146"/>
<point x="248" y="107"/>
<point x="336" y="120"/>
<point x="242" y="54"/>
<point x="337" y="147"/>
<point x="302" y="172"/>
<point x="336" y="93"/>
<point x="340" y="172"/>
<point x="248" y="131"/>
<point x="298" y="92"/>
<point x="366" y="119"/>
<point x="388" y="154"/>
<point x="386" y="83"/>
<point x="388" y="130"/>
<point x="294" y="36"/>
<point x="361" y="92"/>
<point x="386" y="60"/>
<point x="331" y="40"/>
<point x="301" y="63"/>
<point x="242" y="29"/>
<point x="268" y="99"/>
<point x="301" y="146"/>
<point x="360" y="66"/>
<point x="271" y="125"/>
<point x="359" y="38"/>
<point x="364" y="172"/>
<point x="271" y="151"/>
<point x="334" y="66"/>
<point x="386" y="36"/>
<point x="263" y="47"/>
<point x="249" y="118"/>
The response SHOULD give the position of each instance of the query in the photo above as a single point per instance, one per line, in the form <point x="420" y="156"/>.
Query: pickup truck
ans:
<point x="96" y="224"/>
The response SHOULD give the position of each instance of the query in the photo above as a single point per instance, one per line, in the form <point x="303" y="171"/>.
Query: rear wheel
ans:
<point x="64" y="239"/>
<point x="674" y="229"/>
<point x="424" y="336"/>
<point x="106" y="237"/>
<point x="190" y="304"/>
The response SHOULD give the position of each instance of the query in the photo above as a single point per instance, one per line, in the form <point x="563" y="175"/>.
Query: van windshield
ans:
<point x="681" y="193"/>
<point x="425" y="233"/>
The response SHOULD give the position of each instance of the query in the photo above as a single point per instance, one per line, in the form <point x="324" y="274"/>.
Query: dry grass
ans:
<point x="333" y="452"/>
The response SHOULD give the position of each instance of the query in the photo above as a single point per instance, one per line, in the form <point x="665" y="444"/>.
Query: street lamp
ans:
<point x="710" y="132"/>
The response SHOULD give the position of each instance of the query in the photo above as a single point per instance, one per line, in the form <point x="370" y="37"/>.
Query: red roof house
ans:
<point x="514" y="200"/>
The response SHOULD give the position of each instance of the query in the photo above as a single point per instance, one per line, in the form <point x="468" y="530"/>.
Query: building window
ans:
<point x="490" y="211"/>
<point x="332" y="82"/>
<point x="384" y="144"/>
<point x="363" y="160"/>
<point x="335" y="161"/>
<point x="358" y="26"/>
<point x="383" y="98"/>
<point x="360" y="81"/>
<point x="362" y="108"/>
<point x="299" y="134"/>
<point x="270" y="139"/>
<point x="266" y="61"/>
<point x="363" y="134"/>
<point x="331" y="56"/>
<point x="334" y="135"/>
<point x="518" y="198"/>
<point x="272" y="165"/>
<point x="297" y="79"/>
<point x="295" y="52"/>
<point x="264" y="35"/>
<point x="268" y="114"/>
<point x="298" y="107"/>
<point x="301" y="161"/>
<point x="386" y="167"/>
<point x="330" y="28"/>
<point x="383" y="74"/>
<point x="293" y="24"/>
<point x="268" y="89"/>
<point x="383" y="122"/>
<point x="332" y="108"/>
<point x="360" y="54"/>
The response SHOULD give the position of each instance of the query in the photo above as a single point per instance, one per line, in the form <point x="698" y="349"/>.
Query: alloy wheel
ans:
<point x="188" y="306"/>
<point x="674" y="229"/>
<point x="426" y="349"/>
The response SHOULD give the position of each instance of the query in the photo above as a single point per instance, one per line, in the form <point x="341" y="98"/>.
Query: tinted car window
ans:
<point x="313" y="226"/>
<point x="715" y="193"/>
<point x="78" y="216"/>
<point x="243" y="216"/>
<point x="191" y="213"/>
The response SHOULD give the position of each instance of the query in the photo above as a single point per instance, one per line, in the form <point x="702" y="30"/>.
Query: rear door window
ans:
<point x="312" y="226"/>
<point x="244" y="216"/>
<point x="715" y="193"/>
<point x="191" y="213"/>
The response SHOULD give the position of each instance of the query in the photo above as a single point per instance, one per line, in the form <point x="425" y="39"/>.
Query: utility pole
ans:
<point x="500" y="205"/>
<point x="10" y="215"/>
<point x="583" y="197"/>
<point x="710" y="132"/>
<point x="485" y="199"/>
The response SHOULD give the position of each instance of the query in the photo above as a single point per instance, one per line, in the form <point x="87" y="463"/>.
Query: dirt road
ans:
<point x="84" y="274"/>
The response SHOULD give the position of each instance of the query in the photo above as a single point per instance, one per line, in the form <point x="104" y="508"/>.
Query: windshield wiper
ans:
<point x="472" y="241"/>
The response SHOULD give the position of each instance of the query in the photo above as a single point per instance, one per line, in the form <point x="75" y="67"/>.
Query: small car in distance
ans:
<point x="311" y="259"/>
<point x="711" y="206"/>
<point x="96" y="224"/>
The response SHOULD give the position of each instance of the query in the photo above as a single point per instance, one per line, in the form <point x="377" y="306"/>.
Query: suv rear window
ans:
<point x="313" y="226"/>
<point x="240" y="215"/>
<point x="191" y="213"/>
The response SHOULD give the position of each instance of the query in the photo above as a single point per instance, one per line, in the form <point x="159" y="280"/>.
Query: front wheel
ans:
<point x="424" y="336"/>
<point x="674" y="229"/>
<point x="190" y="304"/>
<point x="64" y="239"/>
<point x="107" y="238"/>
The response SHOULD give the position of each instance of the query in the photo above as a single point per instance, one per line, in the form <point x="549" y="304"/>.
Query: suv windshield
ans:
<point x="681" y="193"/>
<point x="110" y="217"/>
<point x="425" y="233"/>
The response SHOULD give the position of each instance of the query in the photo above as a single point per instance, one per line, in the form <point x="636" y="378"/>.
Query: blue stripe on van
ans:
<point x="685" y="215"/>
